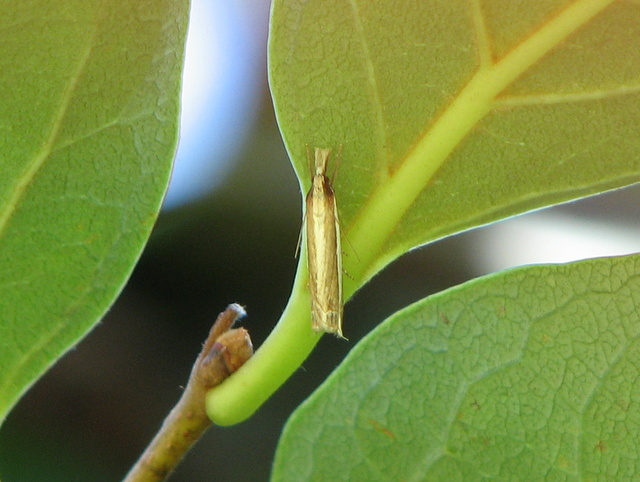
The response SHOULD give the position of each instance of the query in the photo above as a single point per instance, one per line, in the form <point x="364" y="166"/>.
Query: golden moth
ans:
<point x="324" y="255"/>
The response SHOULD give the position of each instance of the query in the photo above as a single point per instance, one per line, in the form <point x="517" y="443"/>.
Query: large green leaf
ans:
<point x="89" y="112"/>
<point x="453" y="113"/>
<point x="528" y="374"/>
<point x="447" y="114"/>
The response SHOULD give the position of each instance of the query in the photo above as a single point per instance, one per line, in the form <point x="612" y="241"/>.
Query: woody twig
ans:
<point x="223" y="352"/>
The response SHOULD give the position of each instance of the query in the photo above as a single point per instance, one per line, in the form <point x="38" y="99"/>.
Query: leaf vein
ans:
<point x="22" y="183"/>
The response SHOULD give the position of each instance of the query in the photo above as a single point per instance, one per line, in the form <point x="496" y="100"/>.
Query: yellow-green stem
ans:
<point x="292" y="340"/>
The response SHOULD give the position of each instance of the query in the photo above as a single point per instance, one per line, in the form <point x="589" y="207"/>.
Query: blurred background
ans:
<point x="228" y="233"/>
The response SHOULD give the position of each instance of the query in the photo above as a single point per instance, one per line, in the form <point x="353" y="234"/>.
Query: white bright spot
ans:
<point x="544" y="237"/>
<point x="220" y="90"/>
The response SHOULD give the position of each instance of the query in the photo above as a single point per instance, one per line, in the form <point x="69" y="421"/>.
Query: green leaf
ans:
<point x="451" y="114"/>
<point x="89" y="112"/>
<point x="528" y="373"/>
<point x="445" y="115"/>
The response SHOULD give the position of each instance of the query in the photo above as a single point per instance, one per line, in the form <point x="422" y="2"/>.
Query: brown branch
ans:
<point x="223" y="352"/>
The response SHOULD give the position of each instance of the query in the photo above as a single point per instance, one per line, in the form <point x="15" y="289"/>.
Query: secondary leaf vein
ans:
<point x="20" y="188"/>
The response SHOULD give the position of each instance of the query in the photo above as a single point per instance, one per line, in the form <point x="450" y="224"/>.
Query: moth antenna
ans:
<point x="337" y="163"/>
<point x="299" y="243"/>
<point x="310" y="163"/>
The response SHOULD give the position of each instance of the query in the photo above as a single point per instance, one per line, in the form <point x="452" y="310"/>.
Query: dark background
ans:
<point x="94" y="412"/>
<point x="91" y="415"/>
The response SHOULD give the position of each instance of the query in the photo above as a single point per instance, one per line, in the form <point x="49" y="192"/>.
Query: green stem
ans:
<point x="288" y="345"/>
<point x="292" y="340"/>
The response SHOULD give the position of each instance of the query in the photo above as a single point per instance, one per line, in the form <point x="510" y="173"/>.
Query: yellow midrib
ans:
<point x="22" y="182"/>
<point x="391" y="200"/>
<point x="17" y="194"/>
